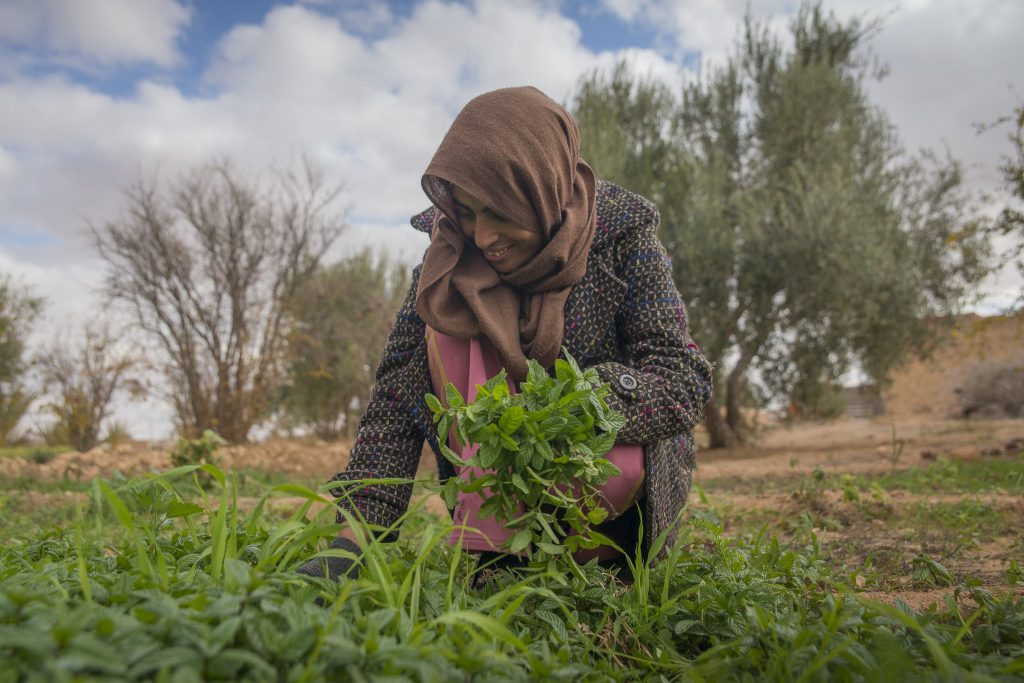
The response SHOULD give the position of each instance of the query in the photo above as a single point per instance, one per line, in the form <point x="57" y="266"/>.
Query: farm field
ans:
<point x="841" y="551"/>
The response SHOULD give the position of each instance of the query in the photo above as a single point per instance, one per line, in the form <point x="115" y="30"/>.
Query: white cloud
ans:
<point x="626" y="10"/>
<point x="952" y="65"/>
<point x="8" y="165"/>
<point x="104" y="31"/>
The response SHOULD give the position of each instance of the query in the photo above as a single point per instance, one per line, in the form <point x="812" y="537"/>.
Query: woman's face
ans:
<point x="503" y="243"/>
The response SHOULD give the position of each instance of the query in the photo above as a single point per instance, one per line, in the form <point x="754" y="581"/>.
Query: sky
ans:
<point x="94" y="93"/>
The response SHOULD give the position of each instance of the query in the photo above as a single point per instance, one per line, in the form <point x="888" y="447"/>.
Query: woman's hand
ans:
<point x="334" y="568"/>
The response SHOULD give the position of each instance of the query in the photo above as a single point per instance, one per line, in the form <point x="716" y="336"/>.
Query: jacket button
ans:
<point x="627" y="382"/>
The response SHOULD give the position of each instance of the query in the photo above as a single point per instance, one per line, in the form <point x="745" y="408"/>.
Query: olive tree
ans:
<point x="339" y="318"/>
<point x="204" y="265"/>
<point x="803" y="238"/>
<point x="18" y="310"/>
<point x="1011" y="218"/>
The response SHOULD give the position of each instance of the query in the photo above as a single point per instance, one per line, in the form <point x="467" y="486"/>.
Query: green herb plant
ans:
<point x="541" y="449"/>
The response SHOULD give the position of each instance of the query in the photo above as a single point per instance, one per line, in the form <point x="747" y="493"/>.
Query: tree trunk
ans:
<point x="721" y="435"/>
<point x="734" y="391"/>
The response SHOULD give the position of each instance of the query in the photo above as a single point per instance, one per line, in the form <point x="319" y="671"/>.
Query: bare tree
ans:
<point x="204" y="266"/>
<point x="83" y="379"/>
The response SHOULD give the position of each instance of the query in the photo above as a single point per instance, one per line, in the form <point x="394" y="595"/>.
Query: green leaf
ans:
<point x="556" y="624"/>
<point x="520" y="541"/>
<point x="602" y="443"/>
<point x="434" y="404"/>
<point x="511" y="419"/>
<point x="597" y="515"/>
<point x="507" y="442"/>
<point x="452" y="456"/>
<point x="550" y="548"/>
<point x="495" y="382"/>
<point x="553" y="426"/>
<point x="573" y="365"/>
<point x="182" y="508"/>
<point x="487" y="456"/>
<point x="475" y="483"/>
<point x="520" y="483"/>
<point x="564" y="371"/>
<point x="614" y="421"/>
<point x="455" y="400"/>
<point x="451" y="492"/>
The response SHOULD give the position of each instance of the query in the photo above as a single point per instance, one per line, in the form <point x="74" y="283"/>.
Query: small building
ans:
<point x="863" y="401"/>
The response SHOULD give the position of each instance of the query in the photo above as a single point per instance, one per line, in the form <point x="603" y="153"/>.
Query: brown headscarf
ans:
<point x="517" y="150"/>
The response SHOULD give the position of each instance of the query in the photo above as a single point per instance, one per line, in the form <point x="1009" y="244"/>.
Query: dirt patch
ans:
<point x="857" y="447"/>
<point x="836" y="500"/>
<point x="319" y="460"/>
<point x="922" y="600"/>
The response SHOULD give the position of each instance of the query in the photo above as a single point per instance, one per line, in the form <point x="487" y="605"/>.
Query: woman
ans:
<point x="530" y="253"/>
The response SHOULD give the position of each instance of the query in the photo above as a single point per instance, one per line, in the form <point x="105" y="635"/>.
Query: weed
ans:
<point x="1015" y="574"/>
<point x="851" y="491"/>
<point x="196" y="451"/>
<point x="896" y="449"/>
<point x="930" y="573"/>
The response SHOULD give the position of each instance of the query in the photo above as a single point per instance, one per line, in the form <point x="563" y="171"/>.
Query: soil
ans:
<point x="316" y="460"/>
<point x="857" y="446"/>
<point x="859" y="530"/>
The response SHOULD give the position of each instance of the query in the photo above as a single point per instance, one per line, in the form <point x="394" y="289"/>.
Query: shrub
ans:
<point x="51" y="433"/>
<point x="197" y="451"/>
<point x="117" y="434"/>
<point x="994" y="389"/>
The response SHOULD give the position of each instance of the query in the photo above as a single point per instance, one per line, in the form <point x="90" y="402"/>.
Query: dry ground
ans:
<point x="883" y="498"/>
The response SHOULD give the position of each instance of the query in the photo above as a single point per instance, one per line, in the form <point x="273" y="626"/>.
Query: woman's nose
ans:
<point x="485" y="234"/>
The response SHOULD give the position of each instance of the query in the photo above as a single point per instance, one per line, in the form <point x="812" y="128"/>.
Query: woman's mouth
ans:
<point x="496" y="254"/>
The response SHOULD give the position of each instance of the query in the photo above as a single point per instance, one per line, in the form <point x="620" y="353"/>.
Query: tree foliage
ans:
<point x="18" y="310"/>
<point x="339" y="317"/>
<point x="803" y="237"/>
<point x="83" y="378"/>
<point x="1011" y="218"/>
<point x="204" y="265"/>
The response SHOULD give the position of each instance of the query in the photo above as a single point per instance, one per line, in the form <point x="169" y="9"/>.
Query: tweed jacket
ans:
<point x="624" y="318"/>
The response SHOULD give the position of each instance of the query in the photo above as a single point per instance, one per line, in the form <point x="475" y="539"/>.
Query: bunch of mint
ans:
<point x="543" y="447"/>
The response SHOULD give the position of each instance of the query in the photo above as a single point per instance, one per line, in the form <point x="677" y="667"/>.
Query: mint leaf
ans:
<point x="434" y="405"/>
<point x="520" y="541"/>
<point x="542" y="444"/>
<point x="512" y="419"/>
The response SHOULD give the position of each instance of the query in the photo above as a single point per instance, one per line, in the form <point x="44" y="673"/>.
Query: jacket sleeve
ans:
<point x="389" y="439"/>
<point x="663" y="389"/>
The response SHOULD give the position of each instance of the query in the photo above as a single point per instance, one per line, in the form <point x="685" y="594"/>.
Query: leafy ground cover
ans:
<point x="906" y="572"/>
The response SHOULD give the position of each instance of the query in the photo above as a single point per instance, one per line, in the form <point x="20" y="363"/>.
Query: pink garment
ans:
<point x="465" y="363"/>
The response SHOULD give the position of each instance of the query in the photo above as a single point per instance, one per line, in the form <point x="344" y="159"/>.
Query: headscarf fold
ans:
<point x="518" y="151"/>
